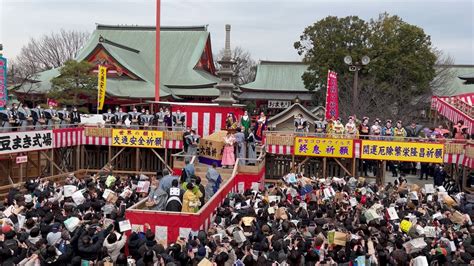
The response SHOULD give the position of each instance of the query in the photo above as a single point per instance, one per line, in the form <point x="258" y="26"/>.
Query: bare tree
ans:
<point x="51" y="51"/>
<point x="245" y="67"/>
<point x="444" y="74"/>
<point x="44" y="53"/>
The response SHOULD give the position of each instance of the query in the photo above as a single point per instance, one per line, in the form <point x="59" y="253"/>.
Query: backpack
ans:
<point x="62" y="246"/>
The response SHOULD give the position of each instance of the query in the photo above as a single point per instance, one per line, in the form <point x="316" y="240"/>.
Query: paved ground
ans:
<point x="410" y="178"/>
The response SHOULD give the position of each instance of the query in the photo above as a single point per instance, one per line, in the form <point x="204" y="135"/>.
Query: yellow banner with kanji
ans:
<point x="402" y="151"/>
<point x="101" y="86"/>
<point x="322" y="147"/>
<point x="137" y="138"/>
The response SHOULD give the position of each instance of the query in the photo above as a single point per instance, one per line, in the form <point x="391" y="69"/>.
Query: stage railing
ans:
<point x="259" y="165"/>
<point x="287" y="138"/>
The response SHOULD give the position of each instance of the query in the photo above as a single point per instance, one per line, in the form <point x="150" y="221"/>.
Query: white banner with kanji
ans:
<point x="14" y="142"/>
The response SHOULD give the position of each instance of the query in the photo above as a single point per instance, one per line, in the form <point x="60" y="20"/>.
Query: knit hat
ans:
<point x="201" y="252"/>
<point x="6" y="228"/>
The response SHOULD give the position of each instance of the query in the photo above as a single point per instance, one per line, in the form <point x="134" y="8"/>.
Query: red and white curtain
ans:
<point x="69" y="137"/>
<point x="279" y="149"/>
<point x="441" y="105"/>
<point x="207" y="119"/>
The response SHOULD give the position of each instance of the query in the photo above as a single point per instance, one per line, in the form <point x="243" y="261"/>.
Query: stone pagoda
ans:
<point x="226" y="74"/>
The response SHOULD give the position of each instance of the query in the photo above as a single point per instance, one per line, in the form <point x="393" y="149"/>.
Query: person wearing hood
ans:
<point x="134" y="244"/>
<point x="114" y="244"/>
<point x="157" y="197"/>
<point x="213" y="181"/>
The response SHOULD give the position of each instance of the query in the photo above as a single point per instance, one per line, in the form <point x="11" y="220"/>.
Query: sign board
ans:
<point x="14" y="142"/>
<point x="279" y="104"/>
<point x="324" y="147"/>
<point x="402" y="151"/>
<point x="21" y="159"/>
<point x="3" y="82"/>
<point x="137" y="138"/>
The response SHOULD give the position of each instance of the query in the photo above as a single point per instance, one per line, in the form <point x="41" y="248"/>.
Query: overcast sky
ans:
<point x="267" y="28"/>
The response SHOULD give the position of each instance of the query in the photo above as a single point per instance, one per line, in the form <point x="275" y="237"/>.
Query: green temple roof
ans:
<point x="278" y="76"/>
<point x="133" y="47"/>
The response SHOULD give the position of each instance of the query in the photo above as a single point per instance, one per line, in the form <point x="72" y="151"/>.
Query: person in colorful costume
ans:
<point x="387" y="131"/>
<point x="245" y="122"/>
<point x="399" y="131"/>
<point x="260" y="127"/>
<point x="228" y="156"/>
<point x="338" y="129"/>
<point x="458" y="130"/>
<point x="364" y="128"/>
<point x="351" y="129"/>
<point x="376" y="129"/>
<point x="231" y="122"/>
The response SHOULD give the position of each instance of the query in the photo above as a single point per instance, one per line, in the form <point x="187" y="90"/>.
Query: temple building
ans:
<point x="277" y="86"/>
<point x="187" y="71"/>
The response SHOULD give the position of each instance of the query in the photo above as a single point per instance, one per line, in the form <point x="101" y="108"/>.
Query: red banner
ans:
<point x="332" y="96"/>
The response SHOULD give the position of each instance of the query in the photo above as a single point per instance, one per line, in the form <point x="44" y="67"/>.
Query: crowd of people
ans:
<point x="364" y="129"/>
<point x="82" y="222"/>
<point x="299" y="221"/>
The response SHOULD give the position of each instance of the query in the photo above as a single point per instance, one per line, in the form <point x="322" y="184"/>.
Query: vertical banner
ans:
<point x="3" y="82"/>
<point x="102" y="85"/>
<point x="332" y="96"/>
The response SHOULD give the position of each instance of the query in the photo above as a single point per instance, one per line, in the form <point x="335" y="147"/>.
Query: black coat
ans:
<point x="439" y="177"/>
<point x="134" y="244"/>
<point x="75" y="117"/>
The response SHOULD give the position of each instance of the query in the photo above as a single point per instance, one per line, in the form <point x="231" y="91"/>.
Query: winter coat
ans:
<point x="134" y="244"/>
<point x="114" y="249"/>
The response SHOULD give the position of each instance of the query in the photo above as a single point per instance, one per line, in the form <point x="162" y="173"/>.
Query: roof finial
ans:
<point x="226" y="74"/>
<point x="227" y="51"/>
